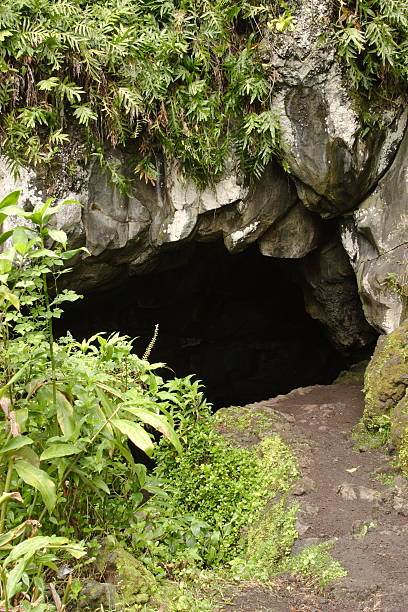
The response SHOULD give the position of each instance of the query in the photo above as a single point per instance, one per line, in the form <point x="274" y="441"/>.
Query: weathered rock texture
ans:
<point x="376" y="239"/>
<point x="386" y="389"/>
<point x="333" y="170"/>
<point x="386" y="378"/>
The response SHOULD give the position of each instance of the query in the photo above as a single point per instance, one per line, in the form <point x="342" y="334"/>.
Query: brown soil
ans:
<point x="369" y="531"/>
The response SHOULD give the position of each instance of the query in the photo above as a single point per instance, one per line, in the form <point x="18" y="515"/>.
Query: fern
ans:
<point x="372" y="37"/>
<point x="160" y="73"/>
<point x="180" y="76"/>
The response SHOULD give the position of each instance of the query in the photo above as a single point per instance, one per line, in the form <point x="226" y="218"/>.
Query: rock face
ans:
<point x="376" y="240"/>
<point x="386" y="390"/>
<point x="333" y="170"/>
<point x="386" y="377"/>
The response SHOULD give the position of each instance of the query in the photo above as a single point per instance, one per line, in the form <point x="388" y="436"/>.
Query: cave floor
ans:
<point x="343" y="499"/>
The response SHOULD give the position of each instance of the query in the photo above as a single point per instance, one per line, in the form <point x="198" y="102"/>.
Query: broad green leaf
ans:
<point x="14" y="378"/>
<point x="6" y="264"/>
<point x="58" y="236"/>
<point x="32" y="545"/>
<point x="65" y="415"/>
<point x="5" y="236"/>
<point x="42" y="253"/>
<point x="101" y="484"/>
<point x="20" y="240"/>
<point x="111" y="390"/>
<point x="9" y="297"/>
<point x="16" y="443"/>
<point x="71" y="253"/>
<point x="157" y="421"/>
<point x="29" y="455"/>
<point x="106" y="403"/>
<point x="23" y="552"/>
<point x="11" y="199"/>
<point x="14" y="577"/>
<point x="11" y="211"/>
<point x="140" y="470"/>
<point x="59" y="450"/>
<point x="136" y="434"/>
<point x="65" y="411"/>
<point x="21" y="418"/>
<point x="75" y="550"/>
<point x="38" y="479"/>
<point x="8" y="537"/>
<point x="53" y="210"/>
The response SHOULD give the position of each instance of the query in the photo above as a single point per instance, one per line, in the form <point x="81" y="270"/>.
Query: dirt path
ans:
<point x="341" y="498"/>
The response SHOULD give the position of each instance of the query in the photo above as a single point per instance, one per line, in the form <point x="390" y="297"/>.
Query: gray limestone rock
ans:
<point x="376" y="240"/>
<point x="334" y="166"/>
<point x="333" y="170"/>
<point x="347" y="492"/>
<point x="291" y="237"/>
<point x="331" y="296"/>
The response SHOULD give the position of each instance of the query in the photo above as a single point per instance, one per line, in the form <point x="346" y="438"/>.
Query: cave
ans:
<point x="237" y="322"/>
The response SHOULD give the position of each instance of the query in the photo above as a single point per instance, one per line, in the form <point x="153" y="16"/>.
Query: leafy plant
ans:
<point x="95" y="77"/>
<point x="68" y="409"/>
<point x="372" y="39"/>
<point x="315" y="561"/>
<point x="222" y="485"/>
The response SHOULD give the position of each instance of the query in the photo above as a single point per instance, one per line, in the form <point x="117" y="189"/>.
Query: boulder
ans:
<point x="386" y="377"/>
<point x="334" y="166"/>
<point x="399" y="422"/>
<point x="125" y="583"/>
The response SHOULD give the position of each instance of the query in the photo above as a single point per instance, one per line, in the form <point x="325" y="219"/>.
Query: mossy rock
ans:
<point x="403" y="453"/>
<point x="399" y="422"/>
<point x="386" y="377"/>
<point x="355" y="374"/>
<point x="125" y="583"/>
<point x="271" y="537"/>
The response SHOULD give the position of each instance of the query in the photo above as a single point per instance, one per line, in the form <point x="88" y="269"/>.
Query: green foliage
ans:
<point x="403" y="454"/>
<point x="182" y="77"/>
<point x="271" y="539"/>
<point x="317" y="562"/>
<point x="223" y="486"/>
<point x="373" y="430"/>
<point x="372" y="39"/>
<point x="68" y="410"/>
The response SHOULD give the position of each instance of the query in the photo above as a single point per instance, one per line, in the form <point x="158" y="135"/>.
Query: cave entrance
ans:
<point x="236" y="321"/>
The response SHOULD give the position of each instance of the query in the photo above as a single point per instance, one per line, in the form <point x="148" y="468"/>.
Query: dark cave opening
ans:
<point x="237" y="322"/>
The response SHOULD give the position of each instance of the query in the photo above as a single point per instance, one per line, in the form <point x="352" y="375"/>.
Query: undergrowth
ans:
<point x="73" y="417"/>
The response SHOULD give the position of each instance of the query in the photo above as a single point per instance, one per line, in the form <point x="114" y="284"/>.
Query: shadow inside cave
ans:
<point x="236" y="321"/>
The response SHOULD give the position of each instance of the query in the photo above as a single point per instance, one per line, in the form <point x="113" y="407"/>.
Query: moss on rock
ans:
<point x="125" y="582"/>
<point x="386" y="377"/>
<point x="399" y="423"/>
<point x="403" y="453"/>
<point x="355" y="374"/>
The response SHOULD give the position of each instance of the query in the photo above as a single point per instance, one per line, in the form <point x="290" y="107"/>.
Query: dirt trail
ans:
<point x="341" y="497"/>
